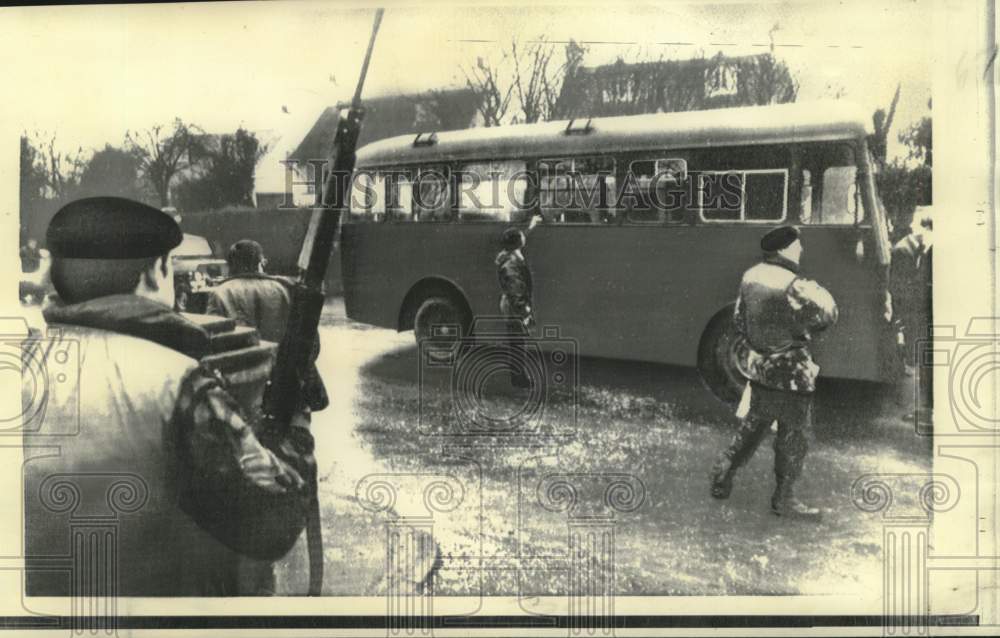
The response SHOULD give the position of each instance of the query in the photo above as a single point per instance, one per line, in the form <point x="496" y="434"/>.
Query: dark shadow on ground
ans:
<point x="844" y="410"/>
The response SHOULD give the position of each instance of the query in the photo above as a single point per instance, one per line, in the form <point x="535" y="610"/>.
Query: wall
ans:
<point x="279" y="232"/>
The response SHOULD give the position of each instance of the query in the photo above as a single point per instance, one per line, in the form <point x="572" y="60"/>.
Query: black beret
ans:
<point x="778" y="238"/>
<point x="111" y="228"/>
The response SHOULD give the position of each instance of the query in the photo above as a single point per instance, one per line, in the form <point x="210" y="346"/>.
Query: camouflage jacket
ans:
<point x="514" y="278"/>
<point x="215" y="483"/>
<point x="779" y="313"/>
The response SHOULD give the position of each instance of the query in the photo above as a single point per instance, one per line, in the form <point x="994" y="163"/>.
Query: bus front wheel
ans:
<point x="721" y="358"/>
<point x="441" y="318"/>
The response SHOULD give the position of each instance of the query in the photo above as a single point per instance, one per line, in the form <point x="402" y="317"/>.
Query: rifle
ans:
<point x="283" y="394"/>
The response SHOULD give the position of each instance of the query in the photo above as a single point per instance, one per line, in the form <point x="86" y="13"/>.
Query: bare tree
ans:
<point x="61" y="170"/>
<point x="163" y="152"/>
<point x="493" y="101"/>
<point x="527" y="71"/>
<point x="531" y="79"/>
<point x="882" y="122"/>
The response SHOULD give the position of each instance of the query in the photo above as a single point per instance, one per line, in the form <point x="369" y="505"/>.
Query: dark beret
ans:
<point x="111" y="228"/>
<point x="778" y="238"/>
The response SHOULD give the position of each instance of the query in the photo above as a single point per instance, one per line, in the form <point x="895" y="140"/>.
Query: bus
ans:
<point x="627" y="277"/>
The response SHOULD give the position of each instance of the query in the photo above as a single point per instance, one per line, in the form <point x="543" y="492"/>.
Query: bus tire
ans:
<point x="718" y="358"/>
<point x="440" y="316"/>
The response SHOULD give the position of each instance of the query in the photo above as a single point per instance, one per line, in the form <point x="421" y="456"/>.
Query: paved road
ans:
<point x="503" y="506"/>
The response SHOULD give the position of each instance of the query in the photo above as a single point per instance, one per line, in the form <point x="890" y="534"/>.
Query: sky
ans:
<point x="89" y="73"/>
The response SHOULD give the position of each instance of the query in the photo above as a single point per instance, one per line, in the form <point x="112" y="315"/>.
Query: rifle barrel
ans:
<point x="356" y="102"/>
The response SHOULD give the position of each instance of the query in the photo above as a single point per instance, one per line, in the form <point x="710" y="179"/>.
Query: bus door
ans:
<point x="841" y="251"/>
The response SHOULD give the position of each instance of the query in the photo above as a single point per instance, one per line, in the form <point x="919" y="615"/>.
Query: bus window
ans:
<point x="430" y="192"/>
<point x="829" y="186"/>
<point x="577" y="190"/>
<point x="764" y="195"/>
<point x="398" y="194"/>
<point x="805" y="197"/>
<point x="492" y="191"/>
<point x="840" y="195"/>
<point x="367" y="197"/>
<point x="662" y="191"/>
<point x="748" y="196"/>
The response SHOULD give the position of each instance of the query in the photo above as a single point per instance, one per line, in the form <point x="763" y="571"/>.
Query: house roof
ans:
<point x="389" y="116"/>
<point x="795" y="122"/>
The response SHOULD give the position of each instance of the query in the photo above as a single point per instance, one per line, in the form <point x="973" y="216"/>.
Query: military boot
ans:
<point x="784" y="503"/>
<point x="722" y="478"/>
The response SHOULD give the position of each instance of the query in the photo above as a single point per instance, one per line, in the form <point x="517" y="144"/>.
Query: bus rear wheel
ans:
<point x="440" y="317"/>
<point x="722" y="354"/>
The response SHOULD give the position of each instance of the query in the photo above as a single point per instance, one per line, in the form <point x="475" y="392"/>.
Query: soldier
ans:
<point x="514" y="276"/>
<point x="778" y="312"/>
<point x="250" y="296"/>
<point x="216" y="486"/>
<point x="910" y="280"/>
<point x="261" y="301"/>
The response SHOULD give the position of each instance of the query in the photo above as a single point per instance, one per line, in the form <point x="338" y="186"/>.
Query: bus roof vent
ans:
<point x="575" y="127"/>
<point x="425" y="139"/>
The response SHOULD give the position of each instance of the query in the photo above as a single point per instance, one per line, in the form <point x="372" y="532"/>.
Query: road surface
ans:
<point x="501" y="519"/>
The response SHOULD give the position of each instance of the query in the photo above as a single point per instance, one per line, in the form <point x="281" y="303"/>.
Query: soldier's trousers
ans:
<point x="516" y="333"/>
<point x="793" y="412"/>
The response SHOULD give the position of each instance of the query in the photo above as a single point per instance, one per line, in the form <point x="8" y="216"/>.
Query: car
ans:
<point x="196" y="269"/>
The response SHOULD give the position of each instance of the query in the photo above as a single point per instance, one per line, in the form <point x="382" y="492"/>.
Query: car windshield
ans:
<point x="193" y="246"/>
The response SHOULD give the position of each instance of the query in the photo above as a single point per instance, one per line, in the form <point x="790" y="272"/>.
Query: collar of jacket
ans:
<point x="134" y="316"/>
<point x="259" y="275"/>
<point x="784" y="262"/>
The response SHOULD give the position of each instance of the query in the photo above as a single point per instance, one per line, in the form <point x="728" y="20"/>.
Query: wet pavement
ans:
<point x="473" y="499"/>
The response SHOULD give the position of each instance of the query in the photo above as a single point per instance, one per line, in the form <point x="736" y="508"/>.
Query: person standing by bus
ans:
<point x="514" y="276"/>
<point x="778" y="312"/>
<point x="910" y="284"/>
<point x="258" y="300"/>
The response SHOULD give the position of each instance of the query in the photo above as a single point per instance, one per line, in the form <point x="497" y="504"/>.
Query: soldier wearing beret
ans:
<point x="778" y="312"/>
<point x="214" y="487"/>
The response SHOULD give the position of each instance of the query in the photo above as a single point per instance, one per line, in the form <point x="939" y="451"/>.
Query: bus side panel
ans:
<point x="632" y="292"/>
<point x="855" y="346"/>
<point x="622" y="292"/>
<point x="382" y="262"/>
<point x="648" y="294"/>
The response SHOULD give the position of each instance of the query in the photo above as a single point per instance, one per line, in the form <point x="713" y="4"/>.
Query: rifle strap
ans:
<point x="314" y="543"/>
